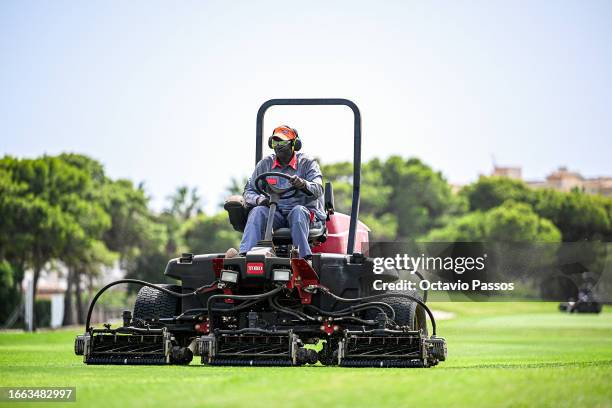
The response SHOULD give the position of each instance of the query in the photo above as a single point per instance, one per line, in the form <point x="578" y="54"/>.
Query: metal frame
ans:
<point x="356" y="148"/>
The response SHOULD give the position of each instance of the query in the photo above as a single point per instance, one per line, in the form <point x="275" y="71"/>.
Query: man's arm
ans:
<point x="314" y="179"/>
<point x="251" y="196"/>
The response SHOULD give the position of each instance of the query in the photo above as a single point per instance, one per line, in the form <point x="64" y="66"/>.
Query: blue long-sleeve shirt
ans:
<point x="301" y="165"/>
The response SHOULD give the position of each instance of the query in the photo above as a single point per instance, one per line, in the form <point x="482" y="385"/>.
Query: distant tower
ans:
<point x="513" y="172"/>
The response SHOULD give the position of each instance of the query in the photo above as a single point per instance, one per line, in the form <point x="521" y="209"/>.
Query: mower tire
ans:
<point x="154" y="304"/>
<point x="407" y="312"/>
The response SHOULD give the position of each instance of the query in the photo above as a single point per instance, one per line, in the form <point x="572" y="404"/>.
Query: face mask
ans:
<point x="284" y="153"/>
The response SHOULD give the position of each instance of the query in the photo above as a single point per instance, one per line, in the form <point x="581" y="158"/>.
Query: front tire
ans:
<point x="407" y="312"/>
<point x="153" y="304"/>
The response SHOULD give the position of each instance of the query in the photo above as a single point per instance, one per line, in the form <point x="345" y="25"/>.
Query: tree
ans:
<point x="51" y="211"/>
<point x="489" y="192"/>
<point x="9" y="293"/>
<point x="34" y="227"/>
<point x="420" y="196"/>
<point x="374" y="198"/>
<point x="84" y="254"/>
<point x="509" y="222"/>
<point x="184" y="203"/>
<point x="517" y="222"/>
<point x="382" y="229"/>
<point x="578" y="215"/>
<point x="84" y="264"/>
<point x="130" y="218"/>
<point x="236" y="186"/>
<point x="467" y="228"/>
<point x="208" y="234"/>
<point x="148" y="260"/>
<point x="400" y="198"/>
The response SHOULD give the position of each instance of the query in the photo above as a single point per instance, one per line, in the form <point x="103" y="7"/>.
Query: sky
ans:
<point x="166" y="93"/>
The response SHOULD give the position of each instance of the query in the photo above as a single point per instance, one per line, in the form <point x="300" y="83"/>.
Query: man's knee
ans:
<point x="258" y="213"/>
<point x="299" y="213"/>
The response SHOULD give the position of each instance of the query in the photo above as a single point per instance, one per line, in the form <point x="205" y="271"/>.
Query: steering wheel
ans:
<point x="262" y="186"/>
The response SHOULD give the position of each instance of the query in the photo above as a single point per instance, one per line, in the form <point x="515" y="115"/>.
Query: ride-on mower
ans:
<point x="263" y="308"/>
<point x="585" y="301"/>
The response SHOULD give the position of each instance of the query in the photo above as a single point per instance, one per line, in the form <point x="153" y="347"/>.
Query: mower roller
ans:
<point x="269" y="307"/>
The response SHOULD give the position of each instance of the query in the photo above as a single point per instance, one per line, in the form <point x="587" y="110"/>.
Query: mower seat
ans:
<point x="238" y="212"/>
<point x="282" y="236"/>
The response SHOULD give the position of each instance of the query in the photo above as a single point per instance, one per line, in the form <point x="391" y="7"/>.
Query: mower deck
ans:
<point x="125" y="349"/>
<point x="261" y="348"/>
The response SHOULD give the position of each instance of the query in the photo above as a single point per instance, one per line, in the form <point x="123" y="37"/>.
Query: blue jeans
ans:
<point x="298" y="220"/>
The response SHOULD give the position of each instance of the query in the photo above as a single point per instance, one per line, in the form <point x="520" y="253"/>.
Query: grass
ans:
<point x="500" y="354"/>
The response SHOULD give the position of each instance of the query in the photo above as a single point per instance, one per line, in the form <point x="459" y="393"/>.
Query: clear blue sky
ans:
<point x="167" y="92"/>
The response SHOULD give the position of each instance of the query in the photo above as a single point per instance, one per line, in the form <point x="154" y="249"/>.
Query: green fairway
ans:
<point x="500" y="354"/>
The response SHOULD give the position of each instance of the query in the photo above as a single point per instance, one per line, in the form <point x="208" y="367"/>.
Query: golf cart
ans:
<point x="270" y="307"/>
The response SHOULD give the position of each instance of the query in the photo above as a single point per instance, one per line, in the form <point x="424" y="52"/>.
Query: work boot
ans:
<point x="231" y="253"/>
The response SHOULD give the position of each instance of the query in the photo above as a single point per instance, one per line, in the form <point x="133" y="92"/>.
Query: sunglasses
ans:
<point x="280" y="143"/>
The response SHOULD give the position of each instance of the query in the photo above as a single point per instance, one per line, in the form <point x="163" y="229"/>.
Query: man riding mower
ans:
<point x="261" y="307"/>
<point x="299" y="211"/>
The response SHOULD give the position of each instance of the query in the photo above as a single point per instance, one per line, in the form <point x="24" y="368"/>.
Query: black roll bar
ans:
<point x="356" y="148"/>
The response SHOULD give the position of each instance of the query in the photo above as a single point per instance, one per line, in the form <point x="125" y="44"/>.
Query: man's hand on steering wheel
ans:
<point x="265" y="201"/>
<point x="297" y="182"/>
<point x="263" y="186"/>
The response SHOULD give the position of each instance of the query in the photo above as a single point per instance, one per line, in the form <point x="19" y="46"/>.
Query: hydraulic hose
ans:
<point x="356" y="319"/>
<point x="237" y="297"/>
<point x="343" y="317"/>
<point x="260" y="297"/>
<point x="142" y="283"/>
<point x="300" y="315"/>
<point x="345" y="312"/>
<point x="374" y="297"/>
<point x="239" y="307"/>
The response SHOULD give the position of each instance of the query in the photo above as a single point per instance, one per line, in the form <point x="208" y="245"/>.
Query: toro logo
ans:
<point x="255" y="268"/>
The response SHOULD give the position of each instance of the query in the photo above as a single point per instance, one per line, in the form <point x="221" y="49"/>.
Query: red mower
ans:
<point x="263" y="308"/>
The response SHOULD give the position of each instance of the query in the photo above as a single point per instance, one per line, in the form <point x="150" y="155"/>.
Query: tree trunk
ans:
<point x="37" y="270"/>
<point x="79" y="297"/>
<point x="19" y="274"/>
<point x="68" y="310"/>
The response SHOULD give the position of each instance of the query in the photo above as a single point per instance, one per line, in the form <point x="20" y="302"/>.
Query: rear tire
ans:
<point x="152" y="304"/>
<point x="407" y="312"/>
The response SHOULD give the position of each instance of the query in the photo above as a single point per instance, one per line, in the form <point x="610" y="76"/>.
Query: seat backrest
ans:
<point x="236" y="211"/>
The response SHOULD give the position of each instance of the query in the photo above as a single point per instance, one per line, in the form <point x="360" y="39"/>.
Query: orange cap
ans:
<point x="284" y="132"/>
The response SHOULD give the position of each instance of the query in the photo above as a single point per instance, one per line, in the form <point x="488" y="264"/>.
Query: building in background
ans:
<point x="511" y="172"/>
<point x="561" y="179"/>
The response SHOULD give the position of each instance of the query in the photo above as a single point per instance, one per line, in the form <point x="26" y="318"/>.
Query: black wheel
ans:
<point x="407" y="312"/>
<point x="153" y="304"/>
